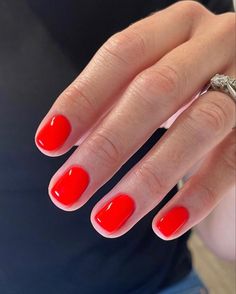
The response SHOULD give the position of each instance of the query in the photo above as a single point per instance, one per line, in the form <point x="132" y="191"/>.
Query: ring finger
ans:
<point x="201" y="193"/>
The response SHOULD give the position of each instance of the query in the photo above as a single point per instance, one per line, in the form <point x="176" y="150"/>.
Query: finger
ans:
<point x="108" y="73"/>
<point x="201" y="194"/>
<point x="104" y="150"/>
<point x="94" y="126"/>
<point x="195" y="132"/>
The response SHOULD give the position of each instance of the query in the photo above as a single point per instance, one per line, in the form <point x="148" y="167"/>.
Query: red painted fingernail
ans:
<point x="54" y="133"/>
<point x="115" y="213"/>
<point x="173" y="220"/>
<point x="70" y="186"/>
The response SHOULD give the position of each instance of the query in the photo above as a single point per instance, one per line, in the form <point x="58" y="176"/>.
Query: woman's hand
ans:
<point x="137" y="80"/>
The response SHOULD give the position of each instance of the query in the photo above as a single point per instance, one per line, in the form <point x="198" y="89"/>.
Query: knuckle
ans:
<point x="191" y="8"/>
<point x="228" y="21"/>
<point x="103" y="145"/>
<point x="152" y="178"/>
<point x="126" y="46"/>
<point x="225" y="28"/>
<point x="76" y="97"/>
<point x="193" y="12"/>
<point x="208" y="196"/>
<point x="167" y="79"/>
<point x="142" y="87"/>
<point x="210" y="115"/>
<point x="162" y="81"/>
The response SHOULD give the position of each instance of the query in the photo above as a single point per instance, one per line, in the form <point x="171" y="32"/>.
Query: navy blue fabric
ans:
<point x="44" y="249"/>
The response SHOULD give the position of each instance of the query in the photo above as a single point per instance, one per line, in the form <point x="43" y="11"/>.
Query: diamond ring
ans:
<point x="224" y="84"/>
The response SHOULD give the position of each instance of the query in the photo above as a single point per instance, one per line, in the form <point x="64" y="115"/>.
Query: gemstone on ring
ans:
<point x="224" y="84"/>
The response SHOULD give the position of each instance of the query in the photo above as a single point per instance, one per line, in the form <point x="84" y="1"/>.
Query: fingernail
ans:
<point x="115" y="213"/>
<point x="70" y="186"/>
<point x="54" y="133"/>
<point x="173" y="220"/>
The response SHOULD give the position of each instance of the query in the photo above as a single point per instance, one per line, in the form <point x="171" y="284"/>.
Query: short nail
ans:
<point x="115" y="213"/>
<point x="54" y="133"/>
<point x="70" y="186"/>
<point x="173" y="220"/>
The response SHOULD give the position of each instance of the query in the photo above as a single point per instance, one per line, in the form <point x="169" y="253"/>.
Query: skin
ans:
<point x="150" y="70"/>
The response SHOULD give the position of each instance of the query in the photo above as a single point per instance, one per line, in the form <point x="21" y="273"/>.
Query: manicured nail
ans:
<point x="115" y="213"/>
<point x="54" y="133"/>
<point x="173" y="220"/>
<point x="70" y="186"/>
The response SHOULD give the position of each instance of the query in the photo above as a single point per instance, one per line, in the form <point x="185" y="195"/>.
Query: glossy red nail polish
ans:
<point x="115" y="213"/>
<point x="173" y="220"/>
<point x="70" y="186"/>
<point x="54" y="133"/>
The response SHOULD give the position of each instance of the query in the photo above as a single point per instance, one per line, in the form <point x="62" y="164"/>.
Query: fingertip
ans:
<point x="168" y="225"/>
<point x="51" y="137"/>
<point x="67" y="187"/>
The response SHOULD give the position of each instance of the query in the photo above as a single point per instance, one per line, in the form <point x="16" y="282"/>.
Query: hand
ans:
<point x="138" y="79"/>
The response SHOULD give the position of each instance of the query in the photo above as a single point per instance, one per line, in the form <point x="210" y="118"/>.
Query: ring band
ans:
<point x="224" y="84"/>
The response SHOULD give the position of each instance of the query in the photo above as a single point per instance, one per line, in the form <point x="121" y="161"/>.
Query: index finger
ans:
<point x="97" y="87"/>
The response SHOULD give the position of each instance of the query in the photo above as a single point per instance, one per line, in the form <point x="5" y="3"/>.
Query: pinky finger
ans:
<point x="201" y="193"/>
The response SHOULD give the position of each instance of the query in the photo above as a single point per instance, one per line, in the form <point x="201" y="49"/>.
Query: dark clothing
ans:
<point x="44" y="45"/>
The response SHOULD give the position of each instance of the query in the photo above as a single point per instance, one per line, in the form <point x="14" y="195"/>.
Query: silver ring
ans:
<point x="224" y="84"/>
